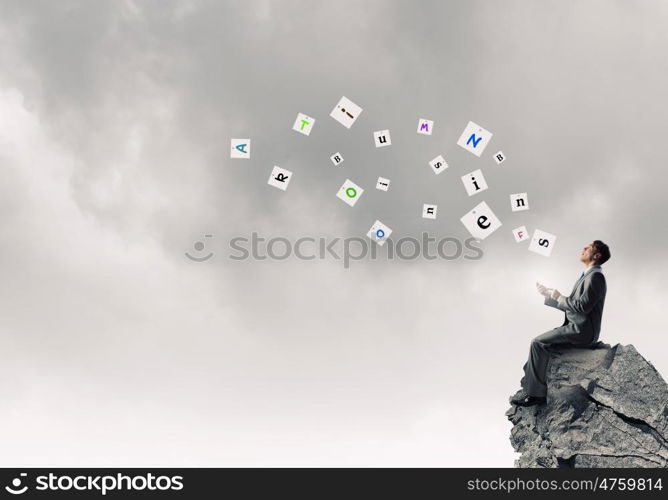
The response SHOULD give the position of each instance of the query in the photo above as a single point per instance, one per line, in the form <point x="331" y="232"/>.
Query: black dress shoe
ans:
<point x="526" y="400"/>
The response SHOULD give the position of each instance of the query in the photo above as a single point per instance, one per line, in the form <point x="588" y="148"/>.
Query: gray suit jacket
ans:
<point x="583" y="308"/>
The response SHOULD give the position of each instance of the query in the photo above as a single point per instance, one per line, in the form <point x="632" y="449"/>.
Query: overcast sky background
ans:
<point x="115" y="122"/>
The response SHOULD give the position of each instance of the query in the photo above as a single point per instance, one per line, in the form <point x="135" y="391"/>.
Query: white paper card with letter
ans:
<point x="474" y="182"/>
<point x="520" y="234"/>
<point x="381" y="138"/>
<point x="429" y="211"/>
<point x="499" y="158"/>
<point x="425" y="126"/>
<point x="481" y="221"/>
<point x="542" y="243"/>
<point x="519" y="202"/>
<point x="379" y="232"/>
<point x="336" y="158"/>
<point x="474" y="139"/>
<point x="240" y="148"/>
<point x="280" y="178"/>
<point x="383" y="184"/>
<point x="438" y="164"/>
<point x="303" y="124"/>
<point x="346" y="112"/>
<point x="350" y="192"/>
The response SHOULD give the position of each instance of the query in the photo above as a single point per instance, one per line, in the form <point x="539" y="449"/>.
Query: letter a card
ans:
<point x="240" y="148"/>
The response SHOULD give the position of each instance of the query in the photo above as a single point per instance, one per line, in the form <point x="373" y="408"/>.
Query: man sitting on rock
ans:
<point x="583" y="309"/>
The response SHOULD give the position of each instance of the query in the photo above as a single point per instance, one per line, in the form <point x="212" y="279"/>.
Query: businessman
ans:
<point x="583" y="309"/>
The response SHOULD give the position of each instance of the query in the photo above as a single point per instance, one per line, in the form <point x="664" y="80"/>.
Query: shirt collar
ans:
<point x="593" y="266"/>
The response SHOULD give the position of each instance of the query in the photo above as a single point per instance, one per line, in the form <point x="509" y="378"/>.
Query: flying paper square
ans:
<point x="499" y="158"/>
<point x="520" y="234"/>
<point x="303" y="124"/>
<point x="438" y="164"/>
<point x="519" y="202"/>
<point x="425" y="126"/>
<point x="474" y="182"/>
<point x="429" y="211"/>
<point x="542" y="243"/>
<point x="379" y="232"/>
<point x="382" y="138"/>
<point x="240" y="148"/>
<point x="383" y="184"/>
<point x="481" y="221"/>
<point x="346" y="112"/>
<point x="474" y="139"/>
<point x="336" y="158"/>
<point x="350" y="192"/>
<point x="280" y="178"/>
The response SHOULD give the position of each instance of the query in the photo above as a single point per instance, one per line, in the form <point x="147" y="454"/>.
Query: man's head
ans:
<point x="596" y="253"/>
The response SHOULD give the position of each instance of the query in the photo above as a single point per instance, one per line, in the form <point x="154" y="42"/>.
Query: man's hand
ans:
<point x="543" y="290"/>
<point x="555" y="294"/>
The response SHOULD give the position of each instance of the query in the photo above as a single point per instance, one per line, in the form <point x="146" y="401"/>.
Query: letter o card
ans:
<point x="350" y="192"/>
<point x="481" y="221"/>
<point x="520" y="234"/>
<point x="542" y="243"/>
<point x="379" y="232"/>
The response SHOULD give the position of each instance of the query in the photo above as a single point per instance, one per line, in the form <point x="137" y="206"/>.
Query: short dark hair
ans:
<point x="601" y="248"/>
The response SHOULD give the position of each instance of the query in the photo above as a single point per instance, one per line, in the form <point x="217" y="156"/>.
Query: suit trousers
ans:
<point x="534" y="382"/>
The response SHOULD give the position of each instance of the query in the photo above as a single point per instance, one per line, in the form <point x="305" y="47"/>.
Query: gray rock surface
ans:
<point x="606" y="407"/>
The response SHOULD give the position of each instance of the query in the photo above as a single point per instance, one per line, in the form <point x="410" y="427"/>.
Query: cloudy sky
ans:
<point x="115" y="127"/>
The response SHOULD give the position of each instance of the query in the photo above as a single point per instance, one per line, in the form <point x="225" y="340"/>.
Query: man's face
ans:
<point x="588" y="254"/>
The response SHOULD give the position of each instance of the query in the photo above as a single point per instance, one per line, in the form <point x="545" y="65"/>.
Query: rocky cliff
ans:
<point x="606" y="407"/>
